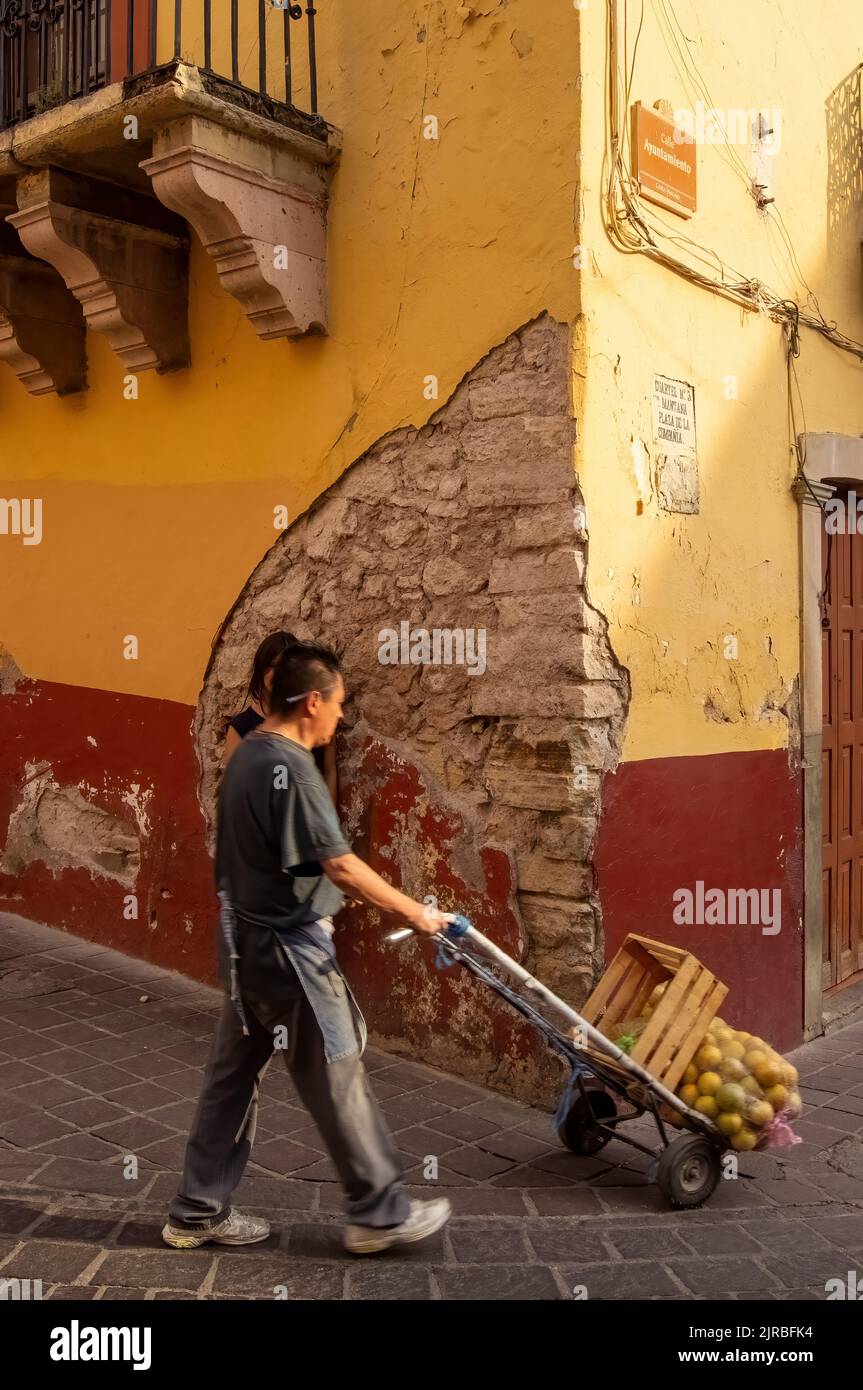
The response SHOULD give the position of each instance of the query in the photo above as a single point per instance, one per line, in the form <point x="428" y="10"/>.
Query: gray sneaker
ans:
<point x="425" y="1218"/>
<point x="233" y="1229"/>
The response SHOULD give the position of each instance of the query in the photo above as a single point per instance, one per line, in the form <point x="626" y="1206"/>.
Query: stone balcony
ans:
<point x="99" y="194"/>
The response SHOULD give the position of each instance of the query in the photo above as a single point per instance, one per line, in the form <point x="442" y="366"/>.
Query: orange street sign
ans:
<point x="663" y="161"/>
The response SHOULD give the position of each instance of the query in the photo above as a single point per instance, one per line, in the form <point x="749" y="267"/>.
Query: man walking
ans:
<point x="283" y="868"/>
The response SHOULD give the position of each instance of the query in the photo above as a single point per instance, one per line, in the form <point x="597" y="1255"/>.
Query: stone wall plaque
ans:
<point x="674" y="441"/>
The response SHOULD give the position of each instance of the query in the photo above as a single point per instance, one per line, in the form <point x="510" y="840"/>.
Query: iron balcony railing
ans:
<point x="54" y="50"/>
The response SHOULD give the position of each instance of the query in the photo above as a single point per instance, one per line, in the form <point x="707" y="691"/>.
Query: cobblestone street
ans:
<point x="101" y="1057"/>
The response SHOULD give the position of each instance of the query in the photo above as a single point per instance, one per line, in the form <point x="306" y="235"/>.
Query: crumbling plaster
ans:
<point x="471" y="522"/>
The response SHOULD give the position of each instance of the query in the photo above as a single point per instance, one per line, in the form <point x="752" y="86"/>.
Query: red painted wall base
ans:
<point x="731" y="821"/>
<point x="143" y="750"/>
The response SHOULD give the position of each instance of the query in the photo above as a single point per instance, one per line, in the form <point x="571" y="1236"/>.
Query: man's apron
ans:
<point x="338" y="1014"/>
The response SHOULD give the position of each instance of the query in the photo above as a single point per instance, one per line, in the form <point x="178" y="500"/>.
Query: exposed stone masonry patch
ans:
<point x="469" y="522"/>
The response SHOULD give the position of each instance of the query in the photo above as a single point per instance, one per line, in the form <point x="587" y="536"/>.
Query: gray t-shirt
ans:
<point x="276" y="822"/>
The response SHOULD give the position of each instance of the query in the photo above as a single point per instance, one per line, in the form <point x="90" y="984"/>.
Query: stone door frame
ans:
<point x="830" y="460"/>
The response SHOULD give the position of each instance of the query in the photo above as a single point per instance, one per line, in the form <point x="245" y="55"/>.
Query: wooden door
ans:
<point x="842" y="755"/>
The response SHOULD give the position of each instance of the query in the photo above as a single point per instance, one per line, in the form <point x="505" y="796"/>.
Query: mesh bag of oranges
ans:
<point x="746" y="1088"/>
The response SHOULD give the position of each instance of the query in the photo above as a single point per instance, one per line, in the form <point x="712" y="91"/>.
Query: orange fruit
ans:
<point x="707" y="1057"/>
<point x="707" y="1106"/>
<point x="744" y="1140"/>
<point x="777" y="1096"/>
<point x="759" y="1113"/>
<point x="734" y="1049"/>
<point x="709" y="1083"/>
<point x="767" y="1074"/>
<point x="794" y="1104"/>
<point x="690" y="1076"/>
<point x="751" y="1086"/>
<point x="689" y="1094"/>
<point x="754" y="1057"/>
<point x="730" y="1096"/>
<point x="730" y="1069"/>
<point x="728" y="1123"/>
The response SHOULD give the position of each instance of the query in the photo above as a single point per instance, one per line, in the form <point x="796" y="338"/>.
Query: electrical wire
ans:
<point x="666" y="15"/>
<point x="634" y="51"/>
<point x="667" y="18"/>
<point x="636" y="231"/>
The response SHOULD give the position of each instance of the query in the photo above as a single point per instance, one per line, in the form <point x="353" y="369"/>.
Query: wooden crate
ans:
<point x="676" y="1027"/>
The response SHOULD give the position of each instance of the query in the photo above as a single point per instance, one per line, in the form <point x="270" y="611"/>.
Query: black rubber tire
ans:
<point x="689" y="1170"/>
<point x="578" y="1130"/>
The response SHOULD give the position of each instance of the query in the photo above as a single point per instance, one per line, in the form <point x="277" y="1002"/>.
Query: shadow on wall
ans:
<point x="447" y="568"/>
<point x="845" y="156"/>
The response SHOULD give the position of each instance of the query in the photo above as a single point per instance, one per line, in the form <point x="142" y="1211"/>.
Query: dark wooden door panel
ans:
<point x="842" y="761"/>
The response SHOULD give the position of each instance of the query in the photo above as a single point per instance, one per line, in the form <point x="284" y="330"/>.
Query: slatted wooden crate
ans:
<point x="676" y="1028"/>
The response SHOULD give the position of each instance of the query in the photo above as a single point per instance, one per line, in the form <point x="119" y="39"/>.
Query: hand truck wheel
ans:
<point x="578" y="1129"/>
<point x="688" y="1172"/>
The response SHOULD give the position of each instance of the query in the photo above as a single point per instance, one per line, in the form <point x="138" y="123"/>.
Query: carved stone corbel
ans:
<point x="261" y="216"/>
<point x="41" y="324"/>
<point x="122" y="256"/>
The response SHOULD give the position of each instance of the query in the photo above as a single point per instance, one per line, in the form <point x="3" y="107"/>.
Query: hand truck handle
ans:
<point x="403" y="933"/>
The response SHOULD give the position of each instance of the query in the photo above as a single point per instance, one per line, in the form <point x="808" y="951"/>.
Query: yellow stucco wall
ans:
<point x="156" y="510"/>
<point x="674" y="586"/>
